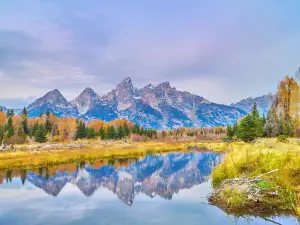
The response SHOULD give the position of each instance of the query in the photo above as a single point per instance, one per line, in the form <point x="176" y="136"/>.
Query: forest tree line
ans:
<point x="19" y="129"/>
<point x="283" y="118"/>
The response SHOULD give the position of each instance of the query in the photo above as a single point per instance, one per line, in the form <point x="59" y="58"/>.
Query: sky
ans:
<point x="222" y="50"/>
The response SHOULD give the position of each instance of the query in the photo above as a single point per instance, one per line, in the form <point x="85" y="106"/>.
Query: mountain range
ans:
<point x="160" y="107"/>
<point x="162" y="175"/>
<point x="263" y="104"/>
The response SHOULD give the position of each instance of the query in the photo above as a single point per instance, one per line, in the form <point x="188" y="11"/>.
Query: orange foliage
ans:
<point x="66" y="128"/>
<point x="2" y="118"/>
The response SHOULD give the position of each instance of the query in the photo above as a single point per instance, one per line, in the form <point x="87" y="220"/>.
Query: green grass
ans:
<point x="265" y="184"/>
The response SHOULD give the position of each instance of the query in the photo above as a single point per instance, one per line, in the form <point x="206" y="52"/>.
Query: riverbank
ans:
<point x="238" y="191"/>
<point x="40" y="155"/>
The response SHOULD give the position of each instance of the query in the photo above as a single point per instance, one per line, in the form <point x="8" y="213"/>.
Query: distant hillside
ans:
<point x="263" y="104"/>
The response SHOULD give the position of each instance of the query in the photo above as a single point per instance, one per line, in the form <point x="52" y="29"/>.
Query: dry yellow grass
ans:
<point x="91" y="152"/>
<point x="250" y="160"/>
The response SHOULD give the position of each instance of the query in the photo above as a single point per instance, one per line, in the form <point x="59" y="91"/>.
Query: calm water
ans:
<point x="158" y="189"/>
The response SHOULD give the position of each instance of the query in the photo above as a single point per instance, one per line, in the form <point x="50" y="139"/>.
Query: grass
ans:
<point x="92" y="151"/>
<point x="234" y="197"/>
<point x="250" y="160"/>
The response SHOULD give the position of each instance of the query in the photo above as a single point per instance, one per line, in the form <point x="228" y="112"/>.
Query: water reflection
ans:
<point x="161" y="175"/>
<point x="93" y="193"/>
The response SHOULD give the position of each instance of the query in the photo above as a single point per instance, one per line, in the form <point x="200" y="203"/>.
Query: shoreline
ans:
<point x="26" y="158"/>
<point x="263" y="177"/>
<point x="274" y="193"/>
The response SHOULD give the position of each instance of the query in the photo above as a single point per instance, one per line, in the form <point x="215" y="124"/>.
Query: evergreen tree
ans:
<point x="40" y="134"/>
<point x="121" y="132"/>
<point x="25" y="121"/>
<point x="229" y="132"/>
<point x="9" y="128"/>
<point x="24" y="112"/>
<point x="102" y="133"/>
<point x="34" y="130"/>
<point x="259" y="126"/>
<point x="235" y="129"/>
<point x="81" y="131"/>
<point x="126" y="130"/>
<point x="48" y="125"/>
<point x="247" y="130"/>
<point x="91" y="133"/>
<point x="136" y="129"/>
<point x="111" y="133"/>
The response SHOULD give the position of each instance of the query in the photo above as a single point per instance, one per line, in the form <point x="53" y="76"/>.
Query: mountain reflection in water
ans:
<point x="161" y="175"/>
<point x="90" y="193"/>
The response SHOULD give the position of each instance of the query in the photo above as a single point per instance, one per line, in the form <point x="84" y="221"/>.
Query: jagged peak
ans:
<point x="149" y="86"/>
<point x="165" y="85"/>
<point x="88" y="91"/>
<point x="127" y="80"/>
<point x="53" y="93"/>
<point x="126" y="84"/>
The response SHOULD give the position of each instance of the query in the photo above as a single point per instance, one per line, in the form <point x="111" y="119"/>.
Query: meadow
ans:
<point x="245" y="161"/>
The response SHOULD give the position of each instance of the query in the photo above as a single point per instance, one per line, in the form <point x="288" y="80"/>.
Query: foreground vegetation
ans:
<point x="90" y="152"/>
<point x="280" y="190"/>
<point x="249" y="160"/>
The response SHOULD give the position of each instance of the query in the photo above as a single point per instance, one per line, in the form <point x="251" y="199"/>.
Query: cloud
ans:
<point x="238" y="48"/>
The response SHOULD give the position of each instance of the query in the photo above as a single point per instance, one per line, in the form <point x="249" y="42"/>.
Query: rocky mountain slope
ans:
<point x="53" y="102"/>
<point x="160" y="107"/>
<point x="263" y="104"/>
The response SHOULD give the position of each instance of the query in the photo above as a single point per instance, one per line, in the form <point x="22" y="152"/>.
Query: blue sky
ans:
<point x="221" y="50"/>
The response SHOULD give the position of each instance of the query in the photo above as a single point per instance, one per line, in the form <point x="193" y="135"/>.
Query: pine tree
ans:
<point x="121" y="132"/>
<point x="40" y="135"/>
<point x="247" y="130"/>
<point x="111" y="133"/>
<point x="91" y="133"/>
<point x="259" y="126"/>
<point x="81" y="131"/>
<point x="34" y="130"/>
<point x="24" y="112"/>
<point x="235" y="129"/>
<point x="9" y="128"/>
<point x="136" y="129"/>
<point x="126" y="130"/>
<point x="25" y="121"/>
<point x="102" y="133"/>
<point x="48" y="125"/>
<point x="229" y="132"/>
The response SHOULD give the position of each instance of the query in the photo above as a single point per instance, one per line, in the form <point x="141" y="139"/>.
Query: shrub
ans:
<point x="282" y="138"/>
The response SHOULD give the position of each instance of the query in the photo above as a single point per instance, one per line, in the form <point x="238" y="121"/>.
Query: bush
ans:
<point x="282" y="138"/>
